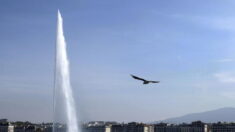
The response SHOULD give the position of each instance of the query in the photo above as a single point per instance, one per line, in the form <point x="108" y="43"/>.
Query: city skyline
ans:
<point x="187" y="45"/>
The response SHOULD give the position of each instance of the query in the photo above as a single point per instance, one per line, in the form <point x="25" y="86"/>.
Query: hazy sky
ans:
<point x="186" y="44"/>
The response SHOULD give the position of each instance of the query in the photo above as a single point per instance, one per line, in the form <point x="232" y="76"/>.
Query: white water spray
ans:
<point x="62" y="83"/>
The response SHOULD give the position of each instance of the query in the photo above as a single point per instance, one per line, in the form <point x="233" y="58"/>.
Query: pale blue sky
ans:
<point x="186" y="44"/>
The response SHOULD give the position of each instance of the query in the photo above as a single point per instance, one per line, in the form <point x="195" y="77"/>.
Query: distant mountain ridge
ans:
<point x="226" y="114"/>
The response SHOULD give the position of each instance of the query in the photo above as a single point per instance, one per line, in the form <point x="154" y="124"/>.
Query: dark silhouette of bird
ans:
<point x="144" y="80"/>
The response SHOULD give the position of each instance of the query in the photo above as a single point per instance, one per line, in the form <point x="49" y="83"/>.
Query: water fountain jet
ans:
<point x="64" y="106"/>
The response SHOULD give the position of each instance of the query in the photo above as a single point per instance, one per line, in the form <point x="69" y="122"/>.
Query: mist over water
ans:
<point x="64" y="106"/>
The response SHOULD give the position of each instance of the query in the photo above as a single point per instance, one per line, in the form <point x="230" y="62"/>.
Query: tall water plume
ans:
<point x="64" y="106"/>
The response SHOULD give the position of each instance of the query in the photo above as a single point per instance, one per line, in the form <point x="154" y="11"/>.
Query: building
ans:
<point x="6" y="127"/>
<point x="222" y="127"/>
<point x="197" y="126"/>
<point x="30" y="128"/>
<point x="60" y="128"/>
<point x="19" y="129"/>
<point x="48" y="129"/>
<point x="148" y="128"/>
<point x="161" y="127"/>
<point x="118" y="128"/>
<point x="102" y="128"/>
<point x="136" y="127"/>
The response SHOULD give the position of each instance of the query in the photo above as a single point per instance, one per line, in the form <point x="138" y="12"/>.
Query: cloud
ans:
<point x="225" y="77"/>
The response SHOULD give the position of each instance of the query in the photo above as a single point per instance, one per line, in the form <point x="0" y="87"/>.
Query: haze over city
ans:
<point x="187" y="45"/>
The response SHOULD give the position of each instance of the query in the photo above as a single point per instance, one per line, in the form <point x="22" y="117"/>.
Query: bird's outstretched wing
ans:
<point x="154" y="81"/>
<point x="138" y="78"/>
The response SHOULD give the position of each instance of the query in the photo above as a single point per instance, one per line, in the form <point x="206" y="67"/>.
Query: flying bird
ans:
<point x="144" y="81"/>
